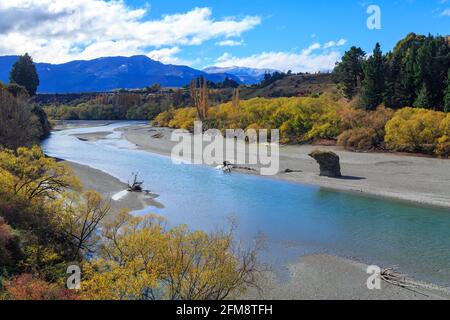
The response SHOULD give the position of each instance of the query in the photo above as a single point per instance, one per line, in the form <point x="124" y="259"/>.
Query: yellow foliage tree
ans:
<point x="28" y="173"/>
<point x="415" y="130"/>
<point x="81" y="219"/>
<point x="41" y="200"/>
<point x="140" y="259"/>
<point x="299" y="119"/>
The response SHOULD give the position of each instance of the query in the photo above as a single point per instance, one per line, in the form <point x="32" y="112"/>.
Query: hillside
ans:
<point x="295" y="85"/>
<point x="292" y="86"/>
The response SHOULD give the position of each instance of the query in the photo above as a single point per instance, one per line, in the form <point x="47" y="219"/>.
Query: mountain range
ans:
<point x="245" y="75"/>
<point x="110" y="73"/>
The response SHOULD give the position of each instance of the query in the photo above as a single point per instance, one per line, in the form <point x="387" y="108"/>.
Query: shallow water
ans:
<point x="295" y="219"/>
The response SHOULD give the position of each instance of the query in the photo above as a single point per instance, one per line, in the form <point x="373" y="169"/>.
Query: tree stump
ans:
<point x="329" y="163"/>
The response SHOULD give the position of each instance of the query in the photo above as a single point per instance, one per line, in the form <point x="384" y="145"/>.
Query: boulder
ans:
<point x="329" y="163"/>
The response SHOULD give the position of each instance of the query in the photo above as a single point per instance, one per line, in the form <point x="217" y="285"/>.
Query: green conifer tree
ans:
<point x="374" y="80"/>
<point x="24" y="74"/>
<point x="423" y="99"/>
<point x="447" y="95"/>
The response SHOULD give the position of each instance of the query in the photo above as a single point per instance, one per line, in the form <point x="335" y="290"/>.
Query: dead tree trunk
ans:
<point x="136" y="185"/>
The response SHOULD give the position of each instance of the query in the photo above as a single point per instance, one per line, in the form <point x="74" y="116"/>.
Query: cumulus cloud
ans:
<point x="315" y="58"/>
<point x="62" y="30"/>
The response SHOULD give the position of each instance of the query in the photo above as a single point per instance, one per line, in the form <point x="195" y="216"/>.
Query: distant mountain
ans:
<point x="245" y="75"/>
<point x="107" y="74"/>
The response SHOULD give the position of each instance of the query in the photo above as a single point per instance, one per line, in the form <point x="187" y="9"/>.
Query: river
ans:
<point x="295" y="219"/>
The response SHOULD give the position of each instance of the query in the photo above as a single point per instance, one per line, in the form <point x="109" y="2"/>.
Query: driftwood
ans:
<point x="391" y="276"/>
<point x="136" y="185"/>
<point x="227" y="167"/>
<point x="292" y="171"/>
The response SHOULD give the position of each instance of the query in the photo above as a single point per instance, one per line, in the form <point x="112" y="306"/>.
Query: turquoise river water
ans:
<point x="295" y="219"/>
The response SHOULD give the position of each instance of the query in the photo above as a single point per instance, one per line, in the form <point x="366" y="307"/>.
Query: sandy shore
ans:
<point x="402" y="177"/>
<point x="109" y="186"/>
<point x="325" y="277"/>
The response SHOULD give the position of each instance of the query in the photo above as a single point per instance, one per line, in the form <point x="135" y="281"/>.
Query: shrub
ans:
<point x="360" y="139"/>
<point x="28" y="287"/>
<point x="6" y="239"/>
<point x="300" y="120"/>
<point x="163" y="119"/>
<point x="443" y="147"/>
<point x="363" y="130"/>
<point x="414" y="130"/>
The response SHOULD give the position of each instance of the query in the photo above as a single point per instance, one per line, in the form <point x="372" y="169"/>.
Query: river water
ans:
<point x="295" y="219"/>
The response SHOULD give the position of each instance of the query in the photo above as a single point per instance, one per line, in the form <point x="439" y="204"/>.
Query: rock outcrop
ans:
<point x="329" y="163"/>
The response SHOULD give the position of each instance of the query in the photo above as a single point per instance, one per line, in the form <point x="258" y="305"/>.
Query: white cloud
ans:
<point x="62" y="30"/>
<point x="332" y="44"/>
<point x="168" y="56"/>
<point x="230" y="43"/>
<point x="446" y="13"/>
<point x="307" y="60"/>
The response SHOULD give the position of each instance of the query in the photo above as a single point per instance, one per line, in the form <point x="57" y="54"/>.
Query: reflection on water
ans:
<point x="296" y="219"/>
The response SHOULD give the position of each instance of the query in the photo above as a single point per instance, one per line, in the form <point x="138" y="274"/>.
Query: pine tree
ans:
<point x="349" y="72"/>
<point x="391" y="97"/>
<point x="447" y="94"/>
<point x="374" y="80"/>
<point x="24" y="74"/>
<point x="424" y="99"/>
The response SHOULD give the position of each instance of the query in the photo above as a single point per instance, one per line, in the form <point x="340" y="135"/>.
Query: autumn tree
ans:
<point x="35" y="193"/>
<point x="416" y="130"/>
<point x="200" y="95"/>
<point x="236" y="99"/>
<point x="29" y="287"/>
<point x="28" y="173"/>
<point x="81" y="219"/>
<point x="19" y="126"/>
<point x="24" y="74"/>
<point x="140" y="259"/>
<point x="9" y="246"/>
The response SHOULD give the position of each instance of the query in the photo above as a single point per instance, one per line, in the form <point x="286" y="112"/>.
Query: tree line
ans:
<point x="415" y="74"/>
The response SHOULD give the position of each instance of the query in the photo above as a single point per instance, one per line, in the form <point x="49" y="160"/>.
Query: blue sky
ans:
<point x="301" y="35"/>
<point x="294" y="25"/>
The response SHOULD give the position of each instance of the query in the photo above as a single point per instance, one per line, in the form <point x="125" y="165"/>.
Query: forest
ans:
<point x="414" y="74"/>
